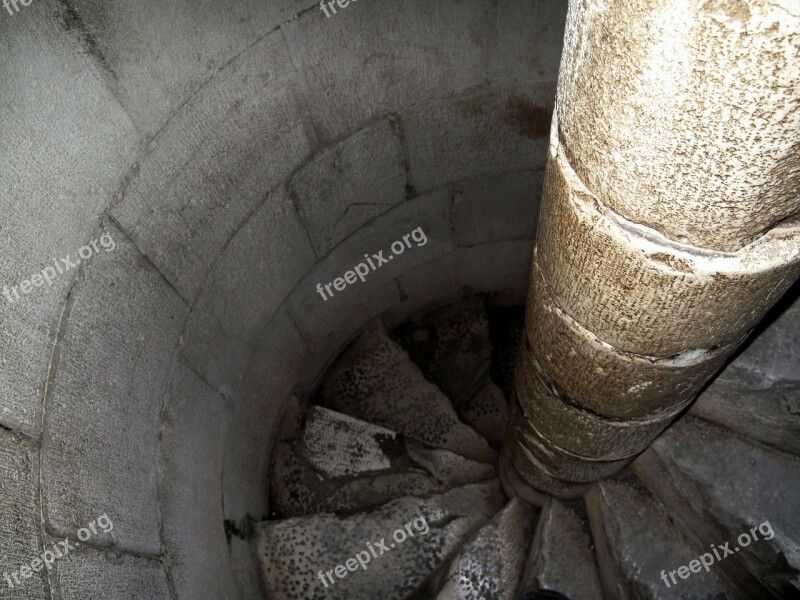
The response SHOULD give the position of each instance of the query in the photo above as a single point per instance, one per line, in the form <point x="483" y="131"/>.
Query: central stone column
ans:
<point x="669" y="225"/>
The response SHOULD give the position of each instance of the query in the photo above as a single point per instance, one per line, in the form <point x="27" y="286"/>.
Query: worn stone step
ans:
<point x="489" y="567"/>
<point x="561" y="557"/>
<point x="335" y="462"/>
<point x="638" y="547"/>
<point x="719" y="486"/>
<point x="376" y="381"/>
<point x="300" y="556"/>
<point x="770" y="415"/>
<point x="453" y="348"/>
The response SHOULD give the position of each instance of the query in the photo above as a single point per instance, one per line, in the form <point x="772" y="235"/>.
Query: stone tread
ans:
<point x="297" y="553"/>
<point x="376" y="381"/>
<point x="335" y="462"/>
<point x="637" y="541"/>
<point x="719" y="485"/>
<point x="561" y="557"/>
<point x="489" y="567"/>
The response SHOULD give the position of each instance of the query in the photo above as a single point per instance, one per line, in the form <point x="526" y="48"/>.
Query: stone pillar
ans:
<point x="670" y="224"/>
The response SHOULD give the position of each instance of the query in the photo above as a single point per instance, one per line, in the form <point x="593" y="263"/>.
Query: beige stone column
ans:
<point x="670" y="224"/>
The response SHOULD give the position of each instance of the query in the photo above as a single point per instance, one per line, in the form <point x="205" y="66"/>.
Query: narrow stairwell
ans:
<point x="384" y="484"/>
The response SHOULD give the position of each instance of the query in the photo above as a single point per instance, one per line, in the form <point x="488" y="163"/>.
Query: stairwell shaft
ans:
<point x="669" y="224"/>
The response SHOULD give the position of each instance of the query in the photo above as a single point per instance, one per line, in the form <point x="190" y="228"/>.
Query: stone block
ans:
<point x="561" y="556"/>
<point x="497" y="207"/>
<point x="156" y="57"/>
<point x="490" y="564"/>
<point x="257" y="270"/>
<point x="493" y="267"/>
<point x="713" y="162"/>
<point x="66" y="145"/>
<point x="375" y="381"/>
<point x="193" y="434"/>
<point x="293" y="551"/>
<point x="719" y="486"/>
<point x="486" y="132"/>
<point x="90" y="574"/>
<point x="602" y="379"/>
<point x="769" y="416"/>
<point x="374" y="58"/>
<point x="636" y="542"/>
<point x="646" y="295"/>
<point x="575" y="429"/>
<point x="350" y="184"/>
<point x="558" y="462"/>
<point x="214" y="164"/>
<point x="20" y="517"/>
<point x="100" y="442"/>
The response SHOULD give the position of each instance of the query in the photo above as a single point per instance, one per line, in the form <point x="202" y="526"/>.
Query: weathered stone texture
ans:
<point x="601" y="378"/>
<point x="645" y="295"/>
<point x="699" y="104"/>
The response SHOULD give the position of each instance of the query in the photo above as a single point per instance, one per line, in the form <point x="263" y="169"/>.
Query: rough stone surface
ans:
<point x="771" y="358"/>
<point x="532" y="52"/>
<point x="577" y="430"/>
<point x="118" y="340"/>
<point x="522" y="474"/>
<point x="376" y="381"/>
<point x="636" y="541"/>
<point x="89" y="574"/>
<point x="350" y="183"/>
<point x="340" y="463"/>
<point x="191" y="452"/>
<point x="718" y="486"/>
<point x="293" y="551"/>
<point x="559" y="462"/>
<point x="244" y="290"/>
<point x="515" y="196"/>
<point x="489" y="566"/>
<point x="155" y="57"/>
<point x="66" y="145"/>
<point x="483" y="132"/>
<point x="500" y="266"/>
<point x="371" y="58"/>
<point x="771" y="416"/>
<point x="19" y="515"/>
<point x="645" y="295"/>
<point x="561" y="557"/>
<point x="723" y="141"/>
<point x="202" y="178"/>
<point x="602" y="379"/>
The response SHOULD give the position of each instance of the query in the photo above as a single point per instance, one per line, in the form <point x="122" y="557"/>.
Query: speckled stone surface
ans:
<point x="338" y="463"/>
<point x="489" y="567"/>
<point x="376" y="381"/>
<point x="294" y="551"/>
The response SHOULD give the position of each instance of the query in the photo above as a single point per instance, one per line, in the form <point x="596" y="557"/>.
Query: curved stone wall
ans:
<point x="238" y="153"/>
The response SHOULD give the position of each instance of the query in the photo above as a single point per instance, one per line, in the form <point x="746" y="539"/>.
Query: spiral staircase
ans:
<point x="407" y="424"/>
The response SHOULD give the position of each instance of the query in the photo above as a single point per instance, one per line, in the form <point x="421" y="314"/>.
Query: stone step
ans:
<point x="720" y="487"/>
<point x="561" y="557"/>
<point x="338" y="463"/>
<point x="376" y="381"/>
<point x="399" y="545"/>
<point x="489" y="567"/>
<point x="639" y="548"/>
<point x="771" y="415"/>
<point x="453" y="348"/>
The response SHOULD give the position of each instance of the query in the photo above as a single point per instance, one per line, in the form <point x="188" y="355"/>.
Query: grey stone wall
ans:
<point x="239" y="153"/>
